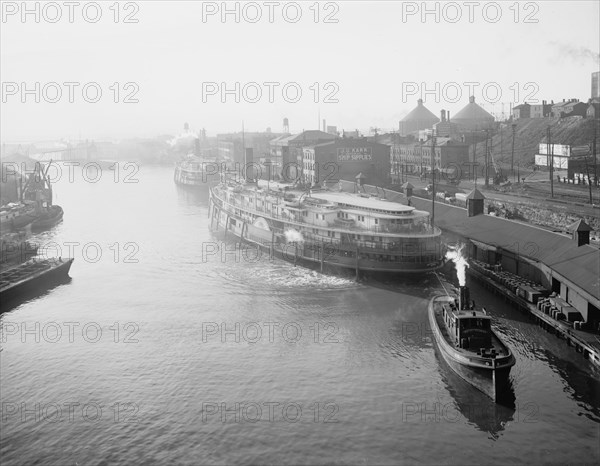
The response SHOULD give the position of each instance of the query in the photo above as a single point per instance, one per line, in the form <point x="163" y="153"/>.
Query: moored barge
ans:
<point x="31" y="276"/>
<point x="469" y="345"/>
<point x="328" y="227"/>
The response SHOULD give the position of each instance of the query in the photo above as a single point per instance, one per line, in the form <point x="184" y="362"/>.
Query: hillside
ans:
<point x="531" y="131"/>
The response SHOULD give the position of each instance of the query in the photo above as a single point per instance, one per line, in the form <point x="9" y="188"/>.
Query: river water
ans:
<point x="173" y="347"/>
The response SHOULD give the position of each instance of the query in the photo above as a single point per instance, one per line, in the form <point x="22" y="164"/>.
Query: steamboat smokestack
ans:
<point x="464" y="298"/>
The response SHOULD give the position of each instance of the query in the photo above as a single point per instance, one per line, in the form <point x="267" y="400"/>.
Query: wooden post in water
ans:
<point x="272" y="244"/>
<point x="356" y="277"/>
<point x="322" y="255"/>
<point x="295" y="253"/>
<point x="226" y="225"/>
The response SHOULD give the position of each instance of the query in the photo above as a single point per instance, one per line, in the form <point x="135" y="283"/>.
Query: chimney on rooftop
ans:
<point x="443" y="115"/>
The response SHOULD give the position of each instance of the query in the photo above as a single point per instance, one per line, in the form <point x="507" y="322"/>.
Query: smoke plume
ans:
<point x="578" y="54"/>
<point x="455" y="254"/>
<point x="186" y="138"/>
<point x="293" y="236"/>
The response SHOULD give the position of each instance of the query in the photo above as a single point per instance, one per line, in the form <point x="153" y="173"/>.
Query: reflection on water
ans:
<point x="581" y="387"/>
<point x="187" y="195"/>
<point x="475" y="406"/>
<point x="366" y="347"/>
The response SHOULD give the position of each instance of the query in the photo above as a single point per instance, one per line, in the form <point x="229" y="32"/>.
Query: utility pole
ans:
<point x="432" y="181"/>
<point x="594" y="154"/>
<point x="501" y="143"/>
<point x="550" y="153"/>
<point x="474" y="155"/>
<point x="512" y="156"/>
<point x="519" y="170"/>
<point x="587" y="170"/>
<point x="487" y="177"/>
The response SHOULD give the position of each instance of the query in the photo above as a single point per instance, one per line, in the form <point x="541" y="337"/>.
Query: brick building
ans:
<point x="344" y="159"/>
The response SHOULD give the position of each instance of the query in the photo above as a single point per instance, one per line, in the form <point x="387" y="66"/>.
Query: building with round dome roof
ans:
<point x="473" y="117"/>
<point x="418" y="119"/>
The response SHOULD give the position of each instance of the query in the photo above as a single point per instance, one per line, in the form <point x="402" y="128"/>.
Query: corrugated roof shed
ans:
<point x="580" y="265"/>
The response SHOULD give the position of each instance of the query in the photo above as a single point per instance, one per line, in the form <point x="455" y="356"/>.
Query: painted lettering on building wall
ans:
<point x="354" y="154"/>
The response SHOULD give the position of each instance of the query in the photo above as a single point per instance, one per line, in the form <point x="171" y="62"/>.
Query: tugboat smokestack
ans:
<point x="464" y="298"/>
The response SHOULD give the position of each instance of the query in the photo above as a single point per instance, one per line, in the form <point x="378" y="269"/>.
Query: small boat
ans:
<point x="49" y="218"/>
<point x="469" y="345"/>
<point x="31" y="276"/>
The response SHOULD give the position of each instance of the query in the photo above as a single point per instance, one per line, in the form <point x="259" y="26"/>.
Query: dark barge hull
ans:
<point x="491" y="380"/>
<point x="48" y="221"/>
<point x="32" y="276"/>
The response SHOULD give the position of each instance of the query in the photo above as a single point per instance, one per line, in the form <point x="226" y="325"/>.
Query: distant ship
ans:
<point x="330" y="227"/>
<point x="197" y="172"/>
<point x="469" y="345"/>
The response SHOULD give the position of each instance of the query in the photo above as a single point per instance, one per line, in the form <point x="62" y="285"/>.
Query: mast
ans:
<point x="512" y="156"/>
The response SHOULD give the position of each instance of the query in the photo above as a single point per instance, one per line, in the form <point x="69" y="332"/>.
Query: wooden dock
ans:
<point x="584" y="342"/>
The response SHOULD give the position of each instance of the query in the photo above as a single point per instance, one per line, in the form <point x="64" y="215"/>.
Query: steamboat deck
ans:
<point x="327" y="227"/>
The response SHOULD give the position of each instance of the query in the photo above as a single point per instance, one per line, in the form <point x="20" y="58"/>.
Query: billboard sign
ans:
<point x="561" y="150"/>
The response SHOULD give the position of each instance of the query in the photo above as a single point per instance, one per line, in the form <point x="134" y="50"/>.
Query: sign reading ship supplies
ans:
<point x="354" y="154"/>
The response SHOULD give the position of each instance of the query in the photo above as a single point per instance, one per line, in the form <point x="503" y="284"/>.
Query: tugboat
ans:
<point x="469" y="345"/>
<point x="38" y="190"/>
<point x="49" y="217"/>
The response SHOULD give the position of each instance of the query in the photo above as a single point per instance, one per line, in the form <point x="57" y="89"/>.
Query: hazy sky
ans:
<point x="373" y="53"/>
